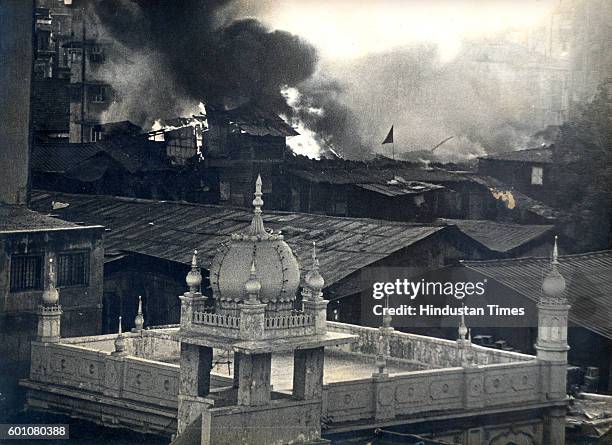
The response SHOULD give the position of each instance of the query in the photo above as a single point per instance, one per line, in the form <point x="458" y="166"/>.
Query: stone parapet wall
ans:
<point x="429" y="352"/>
<point x="453" y="389"/>
<point x="280" y="422"/>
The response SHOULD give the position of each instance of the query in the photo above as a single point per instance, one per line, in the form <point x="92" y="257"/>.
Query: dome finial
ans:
<point x="554" y="283"/>
<point x="252" y="286"/>
<point x="194" y="277"/>
<point x="463" y="330"/>
<point x="314" y="280"/>
<point x="119" y="341"/>
<point x="257" y="227"/>
<point x="50" y="296"/>
<point x="139" y="320"/>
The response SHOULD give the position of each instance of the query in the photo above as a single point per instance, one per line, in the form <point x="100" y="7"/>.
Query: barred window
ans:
<point x="26" y="272"/>
<point x="73" y="269"/>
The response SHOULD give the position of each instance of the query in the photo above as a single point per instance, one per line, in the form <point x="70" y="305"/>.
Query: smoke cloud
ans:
<point x="171" y="54"/>
<point x="428" y="101"/>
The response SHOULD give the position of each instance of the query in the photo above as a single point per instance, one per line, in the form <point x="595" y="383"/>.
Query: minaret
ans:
<point x="553" y="313"/>
<point x="50" y="311"/>
<point x="139" y="319"/>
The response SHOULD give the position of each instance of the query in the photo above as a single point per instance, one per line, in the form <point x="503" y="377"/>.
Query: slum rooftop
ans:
<point x="589" y="283"/>
<point x="172" y="230"/>
<point x="540" y="155"/>
<point x="19" y="219"/>
<point x="500" y="237"/>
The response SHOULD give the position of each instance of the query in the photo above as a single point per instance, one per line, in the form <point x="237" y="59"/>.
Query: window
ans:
<point x="73" y="269"/>
<point x="96" y="54"/>
<point x="96" y="134"/>
<point x="97" y="93"/>
<point x="26" y="272"/>
<point x="537" y="175"/>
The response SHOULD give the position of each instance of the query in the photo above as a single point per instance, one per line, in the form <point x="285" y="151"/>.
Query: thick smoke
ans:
<point x="171" y="54"/>
<point x="428" y="101"/>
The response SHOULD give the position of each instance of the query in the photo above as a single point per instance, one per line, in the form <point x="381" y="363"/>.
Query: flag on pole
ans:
<point x="389" y="138"/>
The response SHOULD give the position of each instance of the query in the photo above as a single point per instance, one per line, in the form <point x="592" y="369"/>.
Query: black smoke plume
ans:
<point x="171" y="54"/>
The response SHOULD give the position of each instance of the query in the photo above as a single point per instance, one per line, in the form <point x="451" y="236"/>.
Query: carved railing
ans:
<point x="289" y="321"/>
<point x="216" y="320"/>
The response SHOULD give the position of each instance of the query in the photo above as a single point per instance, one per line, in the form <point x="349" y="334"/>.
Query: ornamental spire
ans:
<point x="139" y="320"/>
<point x="553" y="285"/>
<point x="257" y="227"/>
<point x="50" y="296"/>
<point x="314" y="280"/>
<point x="194" y="277"/>
<point x="119" y="342"/>
<point x="252" y="286"/>
<point x="463" y="330"/>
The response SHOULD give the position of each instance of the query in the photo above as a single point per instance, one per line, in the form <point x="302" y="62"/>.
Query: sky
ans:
<point x="351" y="28"/>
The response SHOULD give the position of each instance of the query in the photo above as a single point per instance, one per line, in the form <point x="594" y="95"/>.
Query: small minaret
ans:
<point x="193" y="300"/>
<point x="252" y="286"/>
<point x="50" y="311"/>
<point x="139" y="319"/>
<point x="119" y="342"/>
<point x="194" y="276"/>
<point x="312" y="293"/>
<point x="553" y="313"/>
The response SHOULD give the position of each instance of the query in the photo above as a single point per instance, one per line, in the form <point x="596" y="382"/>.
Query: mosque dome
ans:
<point x="278" y="271"/>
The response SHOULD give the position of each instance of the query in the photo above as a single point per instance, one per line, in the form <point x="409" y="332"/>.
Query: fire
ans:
<point x="306" y="143"/>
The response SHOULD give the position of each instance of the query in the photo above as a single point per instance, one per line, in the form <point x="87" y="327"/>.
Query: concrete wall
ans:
<point x="16" y="45"/>
<point x="234" y="425"/>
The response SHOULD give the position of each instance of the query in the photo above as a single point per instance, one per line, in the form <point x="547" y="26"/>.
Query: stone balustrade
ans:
<point x="297" y="324"/>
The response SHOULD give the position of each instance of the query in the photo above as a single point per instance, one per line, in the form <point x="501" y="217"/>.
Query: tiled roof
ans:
<point x="588" y="277"/>
<point x="16" y="218"/>
<point x="51" y="105"/>
<point x="500" y="237"/>
<point x="541" y="155"/>
<point x="171" y="230"/>
<point x="133" y="153"/>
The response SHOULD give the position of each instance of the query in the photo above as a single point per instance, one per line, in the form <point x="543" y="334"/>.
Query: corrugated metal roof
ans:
<point x="588" y="277"/>
<point x="171" y="230"/>
<point x="400" y="188"/>
<point x="133" y="153"/>
<point x="500" y="237"/>
<point x="16" y="218"/>
<point x="541" y="155"/>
